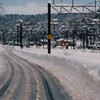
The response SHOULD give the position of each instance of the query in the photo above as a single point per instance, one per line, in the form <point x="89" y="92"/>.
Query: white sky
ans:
<point x="33" y="6"/>
<point x="30" y="8"/>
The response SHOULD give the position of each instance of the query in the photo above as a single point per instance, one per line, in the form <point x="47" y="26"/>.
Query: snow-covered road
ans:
<point x="78" y="71"/>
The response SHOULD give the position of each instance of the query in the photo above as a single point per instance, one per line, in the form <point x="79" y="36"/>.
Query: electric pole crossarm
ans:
<point x="55" y="9"/>
<point x="89" y="10"/>
<point x="77" y="10"/>
<point x="66" y="10"/>
<point x="55" y="16"/>
<point x="73" y="6"/>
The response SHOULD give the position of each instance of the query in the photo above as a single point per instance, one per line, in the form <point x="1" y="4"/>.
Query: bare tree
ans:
<point x="1" y="9"/>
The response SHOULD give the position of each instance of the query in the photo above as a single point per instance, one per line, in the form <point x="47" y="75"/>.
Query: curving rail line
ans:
<point x="50" y="94"/>
<point x="6" y="85"/>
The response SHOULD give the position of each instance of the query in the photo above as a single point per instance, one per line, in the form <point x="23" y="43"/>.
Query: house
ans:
<point x="61" y="42"/>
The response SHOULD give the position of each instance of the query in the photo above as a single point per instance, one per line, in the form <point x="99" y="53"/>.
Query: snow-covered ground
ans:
<point x="78" y="71"/>
<point x="2" y="67"/>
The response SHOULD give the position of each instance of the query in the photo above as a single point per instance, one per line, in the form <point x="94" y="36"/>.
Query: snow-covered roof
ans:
<point x="95" y="20"/>
<point x="62" y="39"/>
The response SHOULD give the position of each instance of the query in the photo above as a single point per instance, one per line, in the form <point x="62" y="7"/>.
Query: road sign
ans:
<point x="49" y="36"/>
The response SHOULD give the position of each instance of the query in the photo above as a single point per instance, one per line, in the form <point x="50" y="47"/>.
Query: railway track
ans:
<point x="21" y="90"/>
<point x="49" y="90"/>
<point x="49" y="95"/>
<point x="6" y="85"/>
<point x="53" y="89"/>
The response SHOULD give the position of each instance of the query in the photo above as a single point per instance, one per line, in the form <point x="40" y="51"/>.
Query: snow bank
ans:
<point x="1" y="48"/>
<point x="2" y="67"/>
<point x="77" y="71"/>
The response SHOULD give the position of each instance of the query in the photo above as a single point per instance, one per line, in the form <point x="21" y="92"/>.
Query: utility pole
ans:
<point x="53" y="2"/>
<point x="17" y="34"/>
<point x="43" y="38"/>
<point x="21" y="45"/>
<point x="49" y="27"/>
<point x="14" y="40"/>
<point x="83" y="39"/>
<point x="72" y="3"/>
<point x="74" y="32"/>
<point x="87" y="38"/>
<point x="3" y="38"/>
<point x="95" y="6"/>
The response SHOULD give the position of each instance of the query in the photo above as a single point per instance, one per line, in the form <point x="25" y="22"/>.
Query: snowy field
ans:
<point x="78" y="71"/>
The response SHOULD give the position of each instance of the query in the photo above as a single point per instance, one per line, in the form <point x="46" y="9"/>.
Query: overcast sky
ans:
<point x="32" y="6"/>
